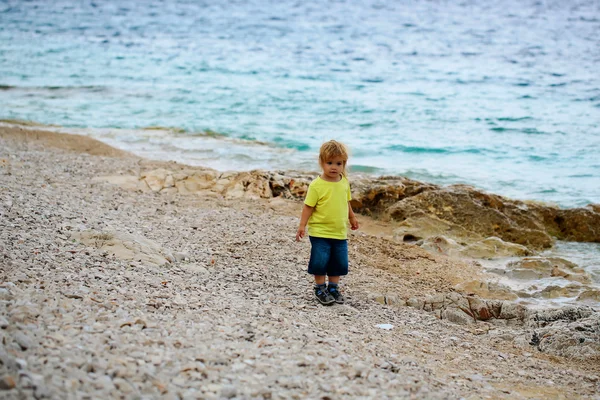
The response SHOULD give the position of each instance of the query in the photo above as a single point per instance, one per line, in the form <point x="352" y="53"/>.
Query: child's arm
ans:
<point x="352" y="218"/>
<point x="306" y="213"/>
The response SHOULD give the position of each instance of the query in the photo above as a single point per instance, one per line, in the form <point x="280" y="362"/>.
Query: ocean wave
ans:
<point x="291" y="144"/>
<point x="435" y="150"/>
<point x="365" y="169"/>
<point x="536" y="158"/>
<point x="83" y="88"/>
<point x="513" y="119"/>
<point x="527" y="131"/>
<point x="427" y="176"/>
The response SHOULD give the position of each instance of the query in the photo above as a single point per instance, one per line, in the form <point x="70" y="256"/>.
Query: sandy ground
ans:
<point x="234" y="316"/>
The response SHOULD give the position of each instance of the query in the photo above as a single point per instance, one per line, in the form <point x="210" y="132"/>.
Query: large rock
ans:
<point x="420" y="210"/>
<point x="464" y="308"/>
<point x="487" y="248"/>
<point x="373" y="195"/>
<point x="572" y="332"/>
<point x="420" y="227"/>
<point x="479" y="214"/>
<point x="547" y="267"/>
<point x="487" y="290"/>
<point x="494" y="247"/>
<point x="126" y="246"/>
<point x="577" y="224"/>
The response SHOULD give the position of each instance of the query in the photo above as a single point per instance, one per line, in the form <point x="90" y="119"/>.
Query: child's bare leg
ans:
<point x="334" y="279"/>
<point x="320" y="279"/>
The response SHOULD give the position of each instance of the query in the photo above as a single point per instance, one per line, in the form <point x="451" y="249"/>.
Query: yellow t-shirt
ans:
<point x="330" y="216"/>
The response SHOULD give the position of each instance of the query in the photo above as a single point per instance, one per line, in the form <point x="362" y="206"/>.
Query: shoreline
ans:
<point x="372" y="196"/>
<point x="223" y="292"/>
<point x="164" y="142"/>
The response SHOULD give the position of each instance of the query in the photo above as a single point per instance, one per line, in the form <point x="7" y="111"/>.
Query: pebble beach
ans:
<point x="208" y="297"/>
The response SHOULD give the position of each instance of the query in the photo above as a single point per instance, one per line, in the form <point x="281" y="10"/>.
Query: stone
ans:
<point x="155" y="179"/>
<point x="548" y="267"/>
<point x="228" y="391"/>
<point x="442" y="245"/>
<point x="457" y="316"/>
<point x="7" y="382"/>
<point x="24" y="341"/>
<point x="494" y="247"/>
<point x="415" y="303"/>
<point x="125" y="246"/>
<point x="487" y="290"/>
<point x="479" y="309"/>
<point x="555" y="291"/>
<point x="510" y="310"/>
<point x="572" y="332"/>
<point x="592" y="295"/>
<point x="465" y="212"/>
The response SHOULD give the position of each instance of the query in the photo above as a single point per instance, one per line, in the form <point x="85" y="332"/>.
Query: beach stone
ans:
<point x="523" y="274"/>
<point x="576" y="224"/>
<point x="377" y="193"/>
<point x="442" y="245"/>
<point x="42" y="391"/>
<point x="24" y="314"/>
<point x="434" y="302"/>
<point x="589" y="295"/>
<point x="7" y="360"/>
<point x="3" y="322"/>
<point x="487" y="290"/>
<point x="457" y="316"/>
<point x="228" y="391"/>
<point x="415" y="303"/>
<point x="569" y="332"/>
<point x="7" y="382"/>
<point x="181" y="256"/>
<point x="469" y="212"/>
<point x="555" y="291"/>
<point x="479" y="309"/>
<point x="422" y="226"/>
<point x="126" y="246"/>
<point x="510" y="310"/>
<point x="24" y="341"/>
<point x="196" y="182"/>
<point x="493" y="247"/>
<point x="156" y="179"/>
<point x="258" y="186"/>
<point x="547" y="267"/>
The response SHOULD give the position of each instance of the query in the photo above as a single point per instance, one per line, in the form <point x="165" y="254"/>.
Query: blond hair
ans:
<point x="333" y="149"/>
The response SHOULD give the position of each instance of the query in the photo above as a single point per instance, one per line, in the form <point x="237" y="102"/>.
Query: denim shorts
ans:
<point x="328" y="256"/>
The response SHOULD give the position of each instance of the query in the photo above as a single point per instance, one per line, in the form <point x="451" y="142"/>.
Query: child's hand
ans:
<point x="300" y="233"/>
<point x="353" y="223"/>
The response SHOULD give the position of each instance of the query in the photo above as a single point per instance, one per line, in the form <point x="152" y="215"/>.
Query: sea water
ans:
<point x="502" y="95"/>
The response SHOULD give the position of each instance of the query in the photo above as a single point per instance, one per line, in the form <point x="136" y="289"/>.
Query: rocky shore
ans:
<point x="128" y="278"/>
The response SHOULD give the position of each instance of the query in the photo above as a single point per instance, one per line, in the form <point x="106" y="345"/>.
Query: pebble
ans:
<point x="7" y="382"/>
<point x="24" y="341"/>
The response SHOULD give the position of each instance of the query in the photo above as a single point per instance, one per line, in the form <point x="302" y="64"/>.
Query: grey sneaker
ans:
<point x="335" y="293"/>
<point x="324" y="297"/>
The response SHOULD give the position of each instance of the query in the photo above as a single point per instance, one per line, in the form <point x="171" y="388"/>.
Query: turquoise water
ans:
<point x="503" y="96"/>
